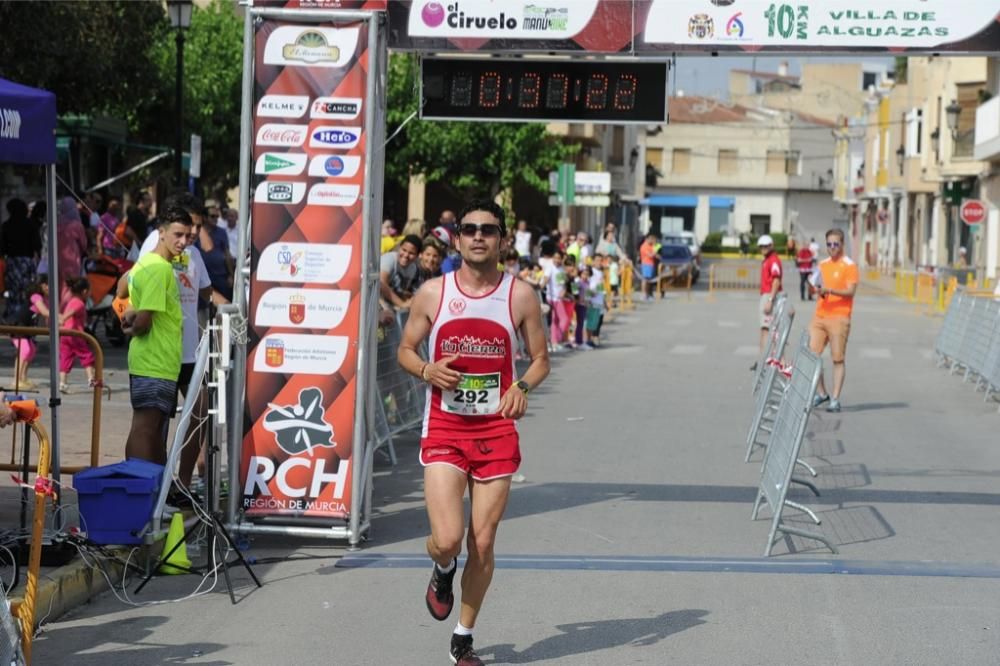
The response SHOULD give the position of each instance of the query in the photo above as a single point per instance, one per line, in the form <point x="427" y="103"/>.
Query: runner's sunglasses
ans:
<point x="487" y="230"/>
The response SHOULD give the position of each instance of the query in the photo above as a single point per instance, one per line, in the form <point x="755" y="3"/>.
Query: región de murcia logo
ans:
<point x="300" y="428"/>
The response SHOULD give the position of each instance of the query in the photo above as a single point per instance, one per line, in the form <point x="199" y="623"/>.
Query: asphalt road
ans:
<point x="631" y="541"/>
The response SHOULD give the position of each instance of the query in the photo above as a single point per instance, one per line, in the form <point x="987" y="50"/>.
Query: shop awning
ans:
<point x="671" y="200"/>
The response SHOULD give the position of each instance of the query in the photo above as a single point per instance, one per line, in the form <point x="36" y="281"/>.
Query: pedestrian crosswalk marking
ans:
<point x="747" y="350"/>
<point x="688" y="350"/>
<point x="728" y="324"/>
<point x="679" y="322"/>
<point x="876" y="352"/>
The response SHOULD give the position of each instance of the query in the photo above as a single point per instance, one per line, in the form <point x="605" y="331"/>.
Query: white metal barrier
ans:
<point x="969" y="340"/>
<point x="783" y="449"/>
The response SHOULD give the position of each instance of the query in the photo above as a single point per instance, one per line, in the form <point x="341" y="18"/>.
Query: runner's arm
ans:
<point x="418" y="326"/>
<point x="526" y="305"/>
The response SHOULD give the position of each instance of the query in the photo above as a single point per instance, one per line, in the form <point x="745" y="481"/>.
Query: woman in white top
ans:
<point x="522" y="239"/>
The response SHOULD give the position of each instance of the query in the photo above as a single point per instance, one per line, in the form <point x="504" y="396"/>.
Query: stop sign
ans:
<point x="972" y="211"/>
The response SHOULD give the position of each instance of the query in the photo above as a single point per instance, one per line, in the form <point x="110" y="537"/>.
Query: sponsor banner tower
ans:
<point x="315" y="197"/>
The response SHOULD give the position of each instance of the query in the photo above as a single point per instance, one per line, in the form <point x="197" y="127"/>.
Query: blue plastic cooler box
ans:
<point x="117" y="500"/>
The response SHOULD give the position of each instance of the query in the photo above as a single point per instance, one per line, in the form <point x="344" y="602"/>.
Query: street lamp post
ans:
<point x="953" y="111"/>
<point x="180" y="19"/>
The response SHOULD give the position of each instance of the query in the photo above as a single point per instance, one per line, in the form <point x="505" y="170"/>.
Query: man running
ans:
<point x="471" y="318"/>
<point x="836" y="282"/>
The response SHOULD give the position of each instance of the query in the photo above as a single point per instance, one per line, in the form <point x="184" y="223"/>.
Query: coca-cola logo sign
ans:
<point x="277" y="134"/>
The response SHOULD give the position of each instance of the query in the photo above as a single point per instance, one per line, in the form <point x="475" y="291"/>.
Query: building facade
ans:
<point x="725" y="168"/>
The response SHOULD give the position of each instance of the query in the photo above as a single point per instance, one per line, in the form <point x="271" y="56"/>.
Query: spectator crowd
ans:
<point x="572" y="277"/>
<point x="161" y="270"/>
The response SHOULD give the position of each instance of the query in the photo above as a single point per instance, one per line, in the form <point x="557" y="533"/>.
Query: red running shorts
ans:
<point x="483" y="459"/>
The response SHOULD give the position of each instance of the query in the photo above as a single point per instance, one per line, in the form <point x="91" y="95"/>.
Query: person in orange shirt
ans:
<point x="647" y="262"/>
<point x="835" y="280"/>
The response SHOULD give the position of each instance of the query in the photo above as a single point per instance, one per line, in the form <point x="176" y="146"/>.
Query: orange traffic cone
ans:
<point x="179" y="558"/>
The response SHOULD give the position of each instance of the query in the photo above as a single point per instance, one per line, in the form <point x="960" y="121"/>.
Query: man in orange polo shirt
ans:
<point x="835" y="281"/>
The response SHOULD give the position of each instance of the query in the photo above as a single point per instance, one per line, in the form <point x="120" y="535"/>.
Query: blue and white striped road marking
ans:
<point x="918" y="568"/>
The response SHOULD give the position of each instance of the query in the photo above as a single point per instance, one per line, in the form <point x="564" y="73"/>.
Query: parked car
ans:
<point x="676" y="258"/>
<point x="686" y="238"/>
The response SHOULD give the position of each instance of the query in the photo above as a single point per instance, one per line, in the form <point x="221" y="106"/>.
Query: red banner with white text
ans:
<point x="305" y="285"/>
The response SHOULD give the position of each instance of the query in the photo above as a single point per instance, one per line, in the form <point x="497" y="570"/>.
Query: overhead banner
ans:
<point x="650" y="27"/>
<point x="818" y="26"/>
<point x="595" y="26"/>
<point x="310" y="142"/>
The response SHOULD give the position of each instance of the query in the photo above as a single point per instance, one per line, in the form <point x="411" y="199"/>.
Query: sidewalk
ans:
<point x="631" y="543"/>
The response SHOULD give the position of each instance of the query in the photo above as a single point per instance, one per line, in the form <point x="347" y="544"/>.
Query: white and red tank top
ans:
<point x="480" y="329"/>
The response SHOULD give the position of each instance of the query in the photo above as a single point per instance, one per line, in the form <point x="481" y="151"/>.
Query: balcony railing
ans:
<point x="988" y="130"/>
<point x="964" y="144"/>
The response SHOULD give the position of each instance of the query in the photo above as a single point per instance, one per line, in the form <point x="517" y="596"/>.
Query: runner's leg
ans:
<point x="444" y="488"/>
<point x="489" y="499"/>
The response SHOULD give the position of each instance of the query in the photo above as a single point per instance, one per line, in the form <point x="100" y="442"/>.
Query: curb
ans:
<point x="67" y="587"/>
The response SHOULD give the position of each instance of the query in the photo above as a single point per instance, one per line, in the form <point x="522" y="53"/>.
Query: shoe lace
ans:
<point x="464" y="650"/>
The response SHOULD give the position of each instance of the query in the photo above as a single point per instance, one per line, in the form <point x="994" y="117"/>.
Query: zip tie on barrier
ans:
<point x="43" y="486"/>
<point x="786" y="370"/>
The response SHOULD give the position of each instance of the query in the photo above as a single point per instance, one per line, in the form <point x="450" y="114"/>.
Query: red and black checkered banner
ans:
<point x="309" y="148"/>
<point x="660" y="27"/>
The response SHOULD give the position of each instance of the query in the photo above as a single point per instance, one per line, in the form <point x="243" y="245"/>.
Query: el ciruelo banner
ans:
<point x="309" y="143"/>
<point x="656" y="27"/>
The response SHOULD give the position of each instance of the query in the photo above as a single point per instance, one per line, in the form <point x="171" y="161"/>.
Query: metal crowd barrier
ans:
<point x="627" y="287"/>
<point x="775" y="340"/>
<point x="933" y="287"/>
<point x="771" y="389"/>
<point x="969" y="340"/>
<point x="672" y="279"/>
<point x="728" y="275"/>
<point x="770" y="382"/>
<point x="95" y="416"/>
<point x="783" y="449"/>
<point x="402" y="397"/>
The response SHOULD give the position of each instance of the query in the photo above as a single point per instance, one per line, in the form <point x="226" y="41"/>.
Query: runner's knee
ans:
<point x="448" y="545"/>
<point x="481" y="542"/>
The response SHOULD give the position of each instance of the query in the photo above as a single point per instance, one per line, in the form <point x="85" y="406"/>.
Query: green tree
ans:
<point x="470" y="159"/>
<point x="213" y="70"/>
<point x="117" y="58"/>
<point x="93" y="55"/>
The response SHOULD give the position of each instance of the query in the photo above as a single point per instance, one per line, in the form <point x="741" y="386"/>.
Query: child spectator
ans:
<point x="578" y="292"/>
<point x="596" y="307"/>
<point x="557" y="295"/>
<point x="74" y="318"/>
<point x="38" y="295"/>
<point x="614" y="275"/>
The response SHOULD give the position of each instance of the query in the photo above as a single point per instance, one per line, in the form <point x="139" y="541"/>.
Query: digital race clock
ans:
<point x="522" y="90"/>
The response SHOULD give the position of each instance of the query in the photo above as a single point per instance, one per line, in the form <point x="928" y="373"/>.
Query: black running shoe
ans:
<point x="439" y="596"/>
<point x="462" y="652"/>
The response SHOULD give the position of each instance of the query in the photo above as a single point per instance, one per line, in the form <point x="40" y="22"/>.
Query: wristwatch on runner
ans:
<point x="523" y="385"/>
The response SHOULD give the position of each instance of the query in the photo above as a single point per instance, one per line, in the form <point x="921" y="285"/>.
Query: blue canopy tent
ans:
<point x="28" y="136"/>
